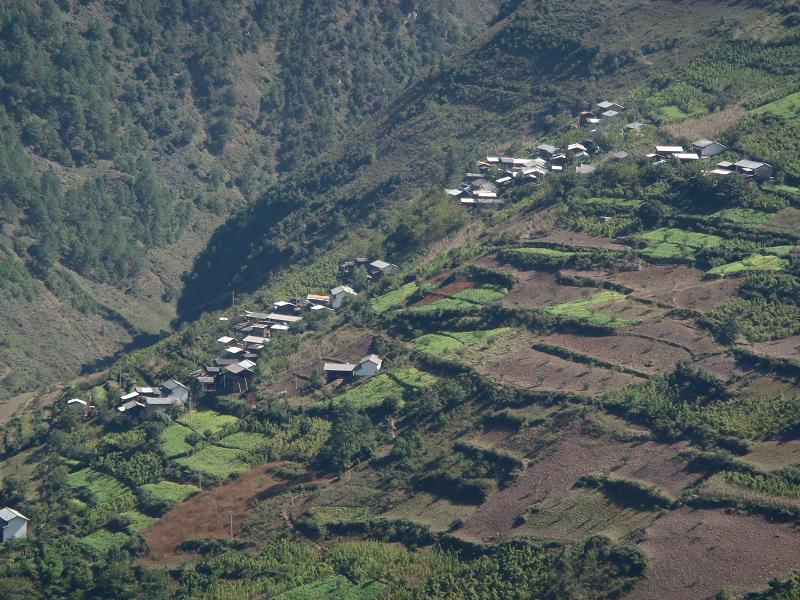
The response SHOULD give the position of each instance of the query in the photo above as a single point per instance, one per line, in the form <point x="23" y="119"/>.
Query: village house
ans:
<point x="77" y="402"/>
<point x="318" y="299"/>
<point x="606" y="105"/>
<point x="760" y="171"/>
<point x="368" y="366"/>
<point x="381" y="267"/>
<point x="707" y="148"/>
<point x="686" y="156"/>
<point x="13" y="523"/>
<point x="337" y="370"/>
<point x="585" y="170"/>
<point x="340" y="293"/>
<point x="285" y="308"/>
<point x="170" y="393"/>
<point x="547" y="151"/>
<point x="667" y="151"/>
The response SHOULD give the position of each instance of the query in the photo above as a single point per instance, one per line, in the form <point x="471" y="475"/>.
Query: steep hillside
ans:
<point x="528" y="74"/>
<point x="129" y="130"/>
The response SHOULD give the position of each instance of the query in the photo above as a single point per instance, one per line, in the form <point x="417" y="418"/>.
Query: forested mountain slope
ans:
<point x="532" y="71"/>
<point x="130" y="129"/>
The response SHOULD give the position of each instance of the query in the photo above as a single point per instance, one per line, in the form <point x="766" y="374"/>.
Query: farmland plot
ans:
<point x="170" y="492"/>
<point x="203" y="420"/>
<point x="676" y="244"/>
<point x="334" y="586"/>
<point x="215" y="461"/>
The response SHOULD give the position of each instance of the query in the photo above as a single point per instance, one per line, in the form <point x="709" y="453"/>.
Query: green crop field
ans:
<point x="168" y="491"/>
<point x="584" y="311"/>
<point x="413" y="378"/>
<point x="104" y="488"/>
<point x="244" y="440"/>
<point x="334" y="586"/>
<point x="138" y="520"/>
<point x="746" y="217"/>
<point x="215" y="461"/>
<point x="786" y="221"/>
<point x="676" y="243"/>
<point x="102" y="541"/>
<point x="203" y="420"/>
<point x="787" y="107"/>
<point x="787" y="189"/>
<point x="611" y="202"/>
<point x="670" y="114"/>
<point x="549" y="252"/>
<point x="444" y="341"/>
<point x="173" y="440"/>
<point x="756" y="262"/>
<point x="335" y="514"/>
<point x="393" y="298"/>
<point x="482" y="294"/>
<point x="372" y="392"/>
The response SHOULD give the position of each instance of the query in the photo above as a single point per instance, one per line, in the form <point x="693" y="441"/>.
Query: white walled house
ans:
<point x="14" y="524"/>
<point x="368" y="366"/>
<point x="339" y="294"/>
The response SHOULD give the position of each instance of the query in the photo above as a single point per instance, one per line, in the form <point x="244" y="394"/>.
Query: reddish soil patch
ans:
<point x="769" y="385"/>
<point x="785" y="348"/>
<point x="532" y="369"/>
<point x="693" y="553"/>
<point x="640" y="354"/>
<point x="580" y="240"/>
<point x="208" y="515"/>
<point x="445" y="291"/>
<point x="774" y="455"/>
<point x="566" y="461"/>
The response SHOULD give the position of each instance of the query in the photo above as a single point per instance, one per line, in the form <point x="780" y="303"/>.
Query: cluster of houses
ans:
<point x="374" y="269"/>
<point x="498" y="172"/>
<point x="703" y="149"/>
<point x="147" y="399"/>
<point x="602" y="113"/>
<point x="252" y="330"/>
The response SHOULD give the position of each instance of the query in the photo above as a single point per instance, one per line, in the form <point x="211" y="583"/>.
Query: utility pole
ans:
<point x="231" y="525"/>
<point x="233" y="299"/>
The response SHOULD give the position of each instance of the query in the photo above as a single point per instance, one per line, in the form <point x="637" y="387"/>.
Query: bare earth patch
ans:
<point x="537" y="289"/>
<point x="785" y="348"/>
<point x="772" y="455"/>
<point x="693" y="553"/>
<point x="675" y="285"/>
<point x="640" y="354"/>
<point x="554" y="476"/>
<point x="580" y="240"/>
<point x="685" y="334"/>
<point x="209" y="514"/>
<point x="724" y="367"/>
<point x="445" y="291"/>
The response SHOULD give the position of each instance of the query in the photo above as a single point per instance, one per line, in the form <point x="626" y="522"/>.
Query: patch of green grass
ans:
<point x="215" y="461"/>
<point x="103" y="488"/>
<point x="482" y="294"/>
<point x="756" y="262"/>
<point x="582" y="310"/>
<point x="670" y="114"/>
<point x="786" y="220"/>
<point x="550" y="252"/>
<point x="138" y="520"/>
<point x="394" y="298"/>
<point x="611" y="202"/>
<point x="336" y="514"/>
<point x="445" y="304"/>
<point x="334" y="586"/>
<point x="203" y="420"/>
<point x="788" y="189"/>
<point x="746" y="217"/>
<point x="787" y="107"/>
<point x="168" y="491"/>
<point x="413" y="378"/>
<point x="439" y="343"/>
<point x="244" y="440"/>
<point x="173" y="440"/>
<point x="372" y="392"/>
<point x="676" y="243"/>
<point x="102" y="541"/>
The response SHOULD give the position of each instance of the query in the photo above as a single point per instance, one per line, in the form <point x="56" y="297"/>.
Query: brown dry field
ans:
<point x="536" y="289"/>
<point x="580" y="240"/>
<point x="208" y="514"/>
<point x="785" y="348"/>
<point x="685" y="334"/>
<point x="642" y="355"/>
<point x="445" y="291"/>
<point x="564" y="462"/>
<point x="511" y="360"/>
<point x="675" y="285"/>
<point x="692" y="553"/>
<point x="772" y="455"/>
<point x="725" y="367"/>
<point x="768" y="385"/>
